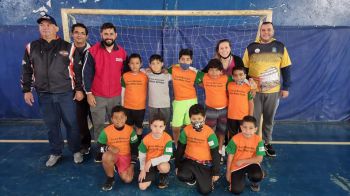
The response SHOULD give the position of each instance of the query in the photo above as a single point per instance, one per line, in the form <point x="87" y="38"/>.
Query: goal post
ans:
<point x="263" y="14"/>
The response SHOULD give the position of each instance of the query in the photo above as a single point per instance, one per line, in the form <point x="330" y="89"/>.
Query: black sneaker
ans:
<point x="98" y="157"/>
<point x="255" y="187"/>
<point x="269" y="150"/>
<point x="191" y="183"/>
<point x="108" y="185"/>
<point x="163" y="181"/>
<point x="85" y="150"/>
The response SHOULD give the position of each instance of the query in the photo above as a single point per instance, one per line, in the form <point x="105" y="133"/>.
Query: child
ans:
<point x="245" y="153"/>
<point x="184" y="77"/>
<point x="214" y="84"/>
<point x="240" y="100"/>
<point x="158" y="88"/>
<point x="134" y="94"/>
<point x="117" y="142"/>
<point x="197" y="158"/>
<point x="155" y="151"/>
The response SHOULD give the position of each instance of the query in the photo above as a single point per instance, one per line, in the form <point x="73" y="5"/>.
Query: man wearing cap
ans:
<point x="47" y="68"/>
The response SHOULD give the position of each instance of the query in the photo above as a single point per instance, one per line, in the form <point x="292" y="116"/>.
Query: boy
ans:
<point x="134" y="94"/>
<point x="197" y="157"/>
<point x="245" y="153"/>
<point x="158" y="88"/>
<point x="155" y="151"/>
<point x="214" y="84"/>
<point x="240" y="100"/>
<point x="117" y="142"/>
<point x="184" y="77"/>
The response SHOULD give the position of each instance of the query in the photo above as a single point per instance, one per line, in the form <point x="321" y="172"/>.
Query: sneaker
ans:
<point x="191" y="183"/>
<point x="255" y="187"/>
<point x="78" y="157"/>
<point x="163" y="181"/>
<point x="98" y="157"/>
<point x="108" y="185"/>
<point x="85" y="150"/>
<point x="269" y="150"/>
<point x="53" y="159"/>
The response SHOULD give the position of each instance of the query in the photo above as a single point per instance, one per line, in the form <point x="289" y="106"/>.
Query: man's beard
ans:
<point x="108" y="44"/>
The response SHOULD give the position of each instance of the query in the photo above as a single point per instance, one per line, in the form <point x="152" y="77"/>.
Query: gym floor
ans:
<point x="312" y="159"/>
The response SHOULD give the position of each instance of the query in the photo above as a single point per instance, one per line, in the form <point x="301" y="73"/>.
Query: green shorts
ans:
<point x="180" y="112"/>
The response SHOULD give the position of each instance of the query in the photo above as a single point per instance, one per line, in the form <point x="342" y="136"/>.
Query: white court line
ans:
<point x="272" y="142"/>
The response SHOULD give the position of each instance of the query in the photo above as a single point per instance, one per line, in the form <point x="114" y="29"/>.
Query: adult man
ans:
<point x="104" y="63"/>
<point x="46" y="66"/>
<point x="267" y="59"/>
<point x="80" y="36"/>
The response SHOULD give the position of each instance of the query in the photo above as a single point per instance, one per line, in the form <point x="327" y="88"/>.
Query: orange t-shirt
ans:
<point x="238" y="106"/>
<point x="156" y="147"/>
<point x="215" y="91"/>
<point x="246" y="148"/>
<point x="197" y="147"/>
<point x="135" y="90"/>
<point x="119" y="139"/>
<point x="183" y="83"/>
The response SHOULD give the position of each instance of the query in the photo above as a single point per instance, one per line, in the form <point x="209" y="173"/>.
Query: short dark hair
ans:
<point x="135" y="55"/>
<point x="215" y="64"/>
<point x="266" y="23"/>
<point x="185" y="51"/>
<point x="239" y="68"/>
<point x="80" y="25"/>
<point x="108" y="25"/>
<point x="155" y="57"/>
<point x="158" y="117"/>
<point x="197" y="109"/>
<point x="117" y="109"/>
<point x="249" y="119"/>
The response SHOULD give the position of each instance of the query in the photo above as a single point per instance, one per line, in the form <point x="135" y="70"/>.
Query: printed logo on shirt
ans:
<point x="63" y="53"/>
<point x="134" y="138"/>
<point x="118" y="59"/>
<point x="211" y="143"/>
<point x="168" y="149"/>
<point x="257" y="50"/>
<point x="274" y="49"/>
<point x="262" y="149"/>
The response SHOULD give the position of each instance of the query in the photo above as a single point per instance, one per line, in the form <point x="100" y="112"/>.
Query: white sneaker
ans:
<point x="53" y="159"/>
<point x="78" y="157"/>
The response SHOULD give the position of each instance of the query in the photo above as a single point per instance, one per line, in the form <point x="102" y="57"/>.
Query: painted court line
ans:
<point x="272" y="142"/>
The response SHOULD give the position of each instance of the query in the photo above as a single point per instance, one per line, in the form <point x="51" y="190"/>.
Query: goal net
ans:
<point x="165" y="32"/>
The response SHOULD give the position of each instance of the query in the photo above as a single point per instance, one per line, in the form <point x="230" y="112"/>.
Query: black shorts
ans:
<point x="233" y="126"/>
<point x="191" y="170"/>
<point x="135" y="117"/>
<point x="151" y="175"/>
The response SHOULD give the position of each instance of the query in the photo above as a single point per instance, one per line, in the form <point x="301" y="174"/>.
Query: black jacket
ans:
<point x="48" y="67"/>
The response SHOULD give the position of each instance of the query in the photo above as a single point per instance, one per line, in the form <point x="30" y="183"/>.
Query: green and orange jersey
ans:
<point x="183" y="82"/>
<point x="239" y="97"/>
<point x="264" y="62"/>
<point x="120" y="139"/>
<point x="242" y="148"/>
<point x="135" y="90"/>
<point x="156" y="147"/>
<point x="215" y="90"/>
<point x="198" y="144"/>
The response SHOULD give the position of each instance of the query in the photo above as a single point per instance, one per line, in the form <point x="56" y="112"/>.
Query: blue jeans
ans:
<point x="57" y="107"/>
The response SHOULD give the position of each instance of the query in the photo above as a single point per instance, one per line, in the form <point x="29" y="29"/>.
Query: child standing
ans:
<point x="155" y="151"/>
<point x="158" y="88"/>
<point x="240" y="100"/>
<point x="184" y="77"/>
<point x="134" y="94"/>
<point x="117" y="142"/>
<point x="245" y="153"/>
<point x="197" y="157"/>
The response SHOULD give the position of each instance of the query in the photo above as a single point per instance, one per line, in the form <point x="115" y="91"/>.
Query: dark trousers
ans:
<point x="254" y="173"/>
<point x="83" y="113"/>
<point x="57" y="107"/>
<point x="191" y="170"/>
